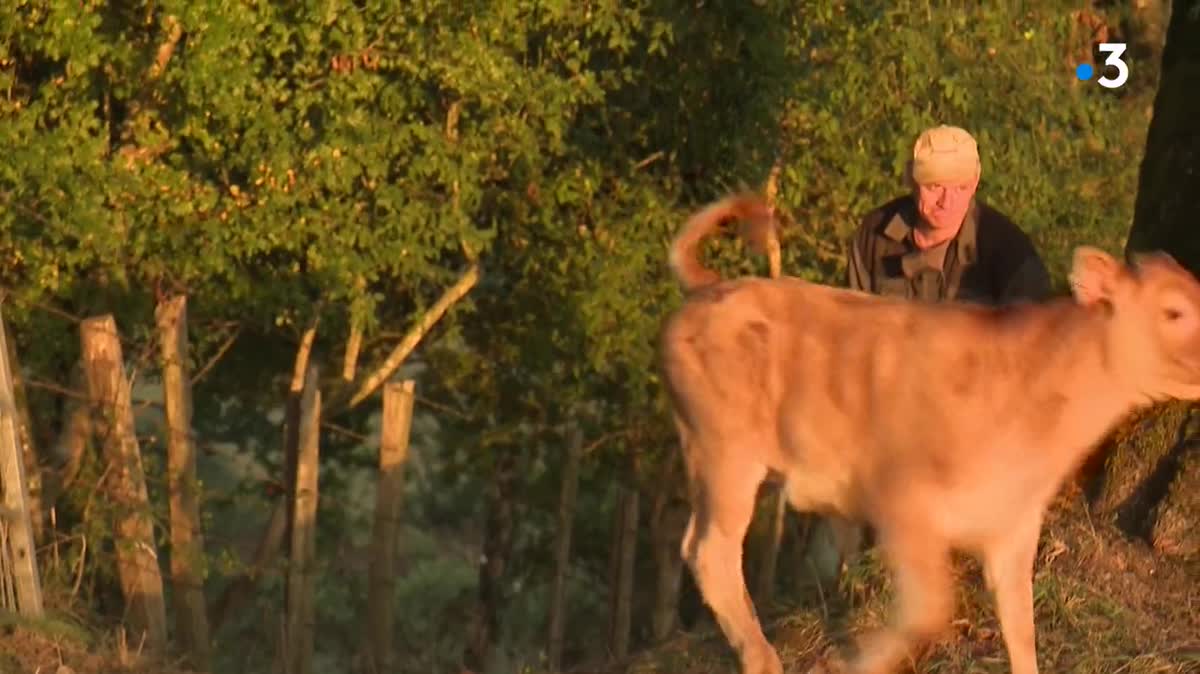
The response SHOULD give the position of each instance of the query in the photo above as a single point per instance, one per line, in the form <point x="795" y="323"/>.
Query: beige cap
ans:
<point x="945" y="154"/>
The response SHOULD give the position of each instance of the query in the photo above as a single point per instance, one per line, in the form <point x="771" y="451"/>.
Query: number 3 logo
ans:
<point x="1114" y="51"/>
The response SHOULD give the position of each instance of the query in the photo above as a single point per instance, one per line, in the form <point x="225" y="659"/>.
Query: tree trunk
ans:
<point x="562" y="547"/>
<point x="302" y="495"/>
<point x="1145" y="459"/>
<point x="1169" y="184"/>
<point x="497" y="547"/>
<point x="137" y="556"/>
<point x="293" y="419"/>
<point x="389" y="500"/>
<point x="187" y="542"/>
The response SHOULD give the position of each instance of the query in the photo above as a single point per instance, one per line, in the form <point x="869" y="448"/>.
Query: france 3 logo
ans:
<point x="1114" y="50"/>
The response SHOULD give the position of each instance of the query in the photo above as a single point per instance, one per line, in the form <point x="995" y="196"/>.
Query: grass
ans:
<point x="58" y="644"/>
<point x="1104" y="605"/>
<point x="49" y="626"/>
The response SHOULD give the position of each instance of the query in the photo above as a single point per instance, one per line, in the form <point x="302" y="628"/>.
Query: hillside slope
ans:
<point x="1105" y="605"/>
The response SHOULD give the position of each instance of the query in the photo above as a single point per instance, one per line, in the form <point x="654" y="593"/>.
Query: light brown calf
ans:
<point x="944" y="426"/>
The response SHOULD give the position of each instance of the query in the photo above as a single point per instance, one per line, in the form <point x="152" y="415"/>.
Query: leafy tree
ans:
<point x="340" y="166"/>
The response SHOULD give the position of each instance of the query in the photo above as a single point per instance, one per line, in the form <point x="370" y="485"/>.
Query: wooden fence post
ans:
<point x="133" y="530"/>
<point x="298" y="632"/>
<point x="187" y="542"/>
<point x="389" y="499"/>
<point x="33" y="471"/>
<point x="16" y="528"/>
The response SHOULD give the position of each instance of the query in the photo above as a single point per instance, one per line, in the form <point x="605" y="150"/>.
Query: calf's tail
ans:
<point x="684" y="257"/>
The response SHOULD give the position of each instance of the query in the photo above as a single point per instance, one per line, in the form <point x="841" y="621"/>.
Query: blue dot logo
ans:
<point x="1083" y="71"/>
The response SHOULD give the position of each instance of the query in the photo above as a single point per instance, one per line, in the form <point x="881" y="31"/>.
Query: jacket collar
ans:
<point x="900" y="229"/>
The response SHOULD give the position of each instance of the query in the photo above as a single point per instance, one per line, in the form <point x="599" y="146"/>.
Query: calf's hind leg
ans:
<point x="722" y="506"/>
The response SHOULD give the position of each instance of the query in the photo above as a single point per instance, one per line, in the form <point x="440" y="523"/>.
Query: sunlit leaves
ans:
<point x="880" y="72"/>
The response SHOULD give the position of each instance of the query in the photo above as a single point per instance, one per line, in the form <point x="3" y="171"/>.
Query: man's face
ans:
<point x="944" y="205"/>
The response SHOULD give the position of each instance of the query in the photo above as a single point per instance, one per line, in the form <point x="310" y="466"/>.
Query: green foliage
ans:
<point x="436" y="593"/>
<point x="1055" y="151"/>
<point x="252" y="172"/>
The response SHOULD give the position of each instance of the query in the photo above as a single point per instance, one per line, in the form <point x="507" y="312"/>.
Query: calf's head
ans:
<point x="1153" y="309"/>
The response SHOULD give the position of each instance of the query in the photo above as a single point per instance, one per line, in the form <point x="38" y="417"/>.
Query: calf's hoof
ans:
<point x="765" y="661"/>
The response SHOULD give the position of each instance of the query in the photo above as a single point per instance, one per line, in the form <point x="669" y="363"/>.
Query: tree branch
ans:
<point x="217" y="356"/>
<point x="55" y="388"/>
<point x="300" y="366"/>
<point x="605" y="439"/>
<point x="444" y="408"/>
<point x="130" y="150"/>
<point x="167" y="49"/>
<point x="774" y="254"/>
<point x="414" y="336"/>
<point x="350" y="359"/>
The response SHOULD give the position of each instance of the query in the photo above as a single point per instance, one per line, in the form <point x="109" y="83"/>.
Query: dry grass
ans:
<point x="55" y="645"/>
<point x="1105" y="605"/>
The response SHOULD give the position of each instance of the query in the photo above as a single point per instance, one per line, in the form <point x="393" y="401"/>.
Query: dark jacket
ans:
<point x="990" y="261"/>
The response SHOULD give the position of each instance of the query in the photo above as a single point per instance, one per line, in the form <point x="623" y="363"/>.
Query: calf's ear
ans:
<point x="1094" y="275"/>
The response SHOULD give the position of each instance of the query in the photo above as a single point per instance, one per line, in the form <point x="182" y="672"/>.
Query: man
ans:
<point x="937" y="243"/>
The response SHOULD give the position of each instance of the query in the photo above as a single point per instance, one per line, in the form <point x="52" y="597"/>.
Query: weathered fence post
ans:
<point x="389" y="498"/>
<point x="33" y="471"/>
<point x="187" y="543"/>
<point x="298" y="632"/>
<point x="16" y="529"/>
<point x="133" y="530"/>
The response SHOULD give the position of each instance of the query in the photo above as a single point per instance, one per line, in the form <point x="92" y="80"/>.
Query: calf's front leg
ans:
<point x="1008" y="563"/>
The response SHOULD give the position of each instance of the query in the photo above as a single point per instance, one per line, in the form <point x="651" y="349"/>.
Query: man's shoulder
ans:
<point x="873" y="223"/>
<point x="999" y="229"/>
<point x="1013" y="257"/>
